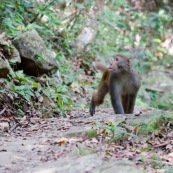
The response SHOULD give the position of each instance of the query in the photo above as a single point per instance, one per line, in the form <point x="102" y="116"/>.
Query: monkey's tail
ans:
<point x="99" y="66"/>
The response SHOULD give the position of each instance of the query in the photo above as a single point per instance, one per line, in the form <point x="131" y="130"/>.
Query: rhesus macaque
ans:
<point x="121" y="81"/>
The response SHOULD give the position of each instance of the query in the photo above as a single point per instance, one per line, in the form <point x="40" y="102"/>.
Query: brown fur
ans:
<point x="121" y="81"/>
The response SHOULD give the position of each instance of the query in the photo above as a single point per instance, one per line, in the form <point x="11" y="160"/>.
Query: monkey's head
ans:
<point x="120" y="64"/>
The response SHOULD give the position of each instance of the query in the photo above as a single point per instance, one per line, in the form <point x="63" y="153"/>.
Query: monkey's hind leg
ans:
<point x="125" y="102"/>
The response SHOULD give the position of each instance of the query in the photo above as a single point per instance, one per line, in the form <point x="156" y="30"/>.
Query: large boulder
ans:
<point x="36" y="59"/>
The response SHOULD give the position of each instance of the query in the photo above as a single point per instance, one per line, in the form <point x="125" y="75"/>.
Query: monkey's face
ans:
<point x="120" y="64"/>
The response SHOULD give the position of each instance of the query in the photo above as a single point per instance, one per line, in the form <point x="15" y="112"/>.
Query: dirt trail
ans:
<point x="61" y="145"/>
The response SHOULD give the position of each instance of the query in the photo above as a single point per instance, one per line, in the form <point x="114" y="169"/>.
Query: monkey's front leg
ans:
<point x="92" y="106"/>
<point x="117" y="105"/>
<point x="115" y="93"/>
<point x="132" y="99"/>
<point x="98" y="96"/>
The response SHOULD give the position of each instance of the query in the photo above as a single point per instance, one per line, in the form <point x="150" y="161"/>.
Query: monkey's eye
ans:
<point x="116" y="59"/>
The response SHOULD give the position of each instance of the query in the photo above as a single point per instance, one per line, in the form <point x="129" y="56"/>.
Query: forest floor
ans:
<point x="86" y="144"/>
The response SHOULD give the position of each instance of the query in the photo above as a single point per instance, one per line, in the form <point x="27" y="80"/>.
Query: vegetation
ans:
<point x="80" y="32"/>
<point x="142" y="31"/>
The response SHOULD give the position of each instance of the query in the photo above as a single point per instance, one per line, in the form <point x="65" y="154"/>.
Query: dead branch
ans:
<point x="154" y="89"/>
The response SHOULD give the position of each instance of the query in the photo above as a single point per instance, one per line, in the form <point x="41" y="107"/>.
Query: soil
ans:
<point x="77" y="143"/>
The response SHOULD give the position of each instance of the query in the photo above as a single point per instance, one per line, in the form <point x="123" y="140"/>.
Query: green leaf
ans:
<point x="157" y="40"/>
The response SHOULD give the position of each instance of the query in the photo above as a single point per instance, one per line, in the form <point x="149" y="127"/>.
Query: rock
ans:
<point x="4" y="127"/>
<point x="89" y="163"/>
<point x="36" y="59"/>
<point x="118" y="166"/>
<point x="4" y="68"/>
<point x="85" y="37"/>
<point x="57" y="78"/>
<point x="9" y="52"/>
<point x="15" y="57"/>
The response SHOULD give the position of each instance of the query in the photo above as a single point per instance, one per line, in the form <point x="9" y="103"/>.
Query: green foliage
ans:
<point x="153" y="123"/>
<point x="19" y="16"/>
<point x="56" y="93"/>
<point x="82" y="150"/>
<point x="11" y="16"/>
<point x="119" y="3"/>
<point x="25" y="91"/>
<point x="91" y="133"/>
<point x="148" y="127"/>
<point x="115" y="131"/>
<point x="157" y="162"/>
<point x="169" y="170"/>
<point x="164" y="103"/>
<point x="122" y="28"/>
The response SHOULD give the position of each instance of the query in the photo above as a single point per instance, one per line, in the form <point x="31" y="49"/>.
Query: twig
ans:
<point x="154" y="89"/>
<point x="14" y="127"/>
<point x="74" y="18"/>
<point x="163" y="144"/>
<point x="109" y="23"/>
<point x="2" y="111"/>
<point x="36" y="16"/>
